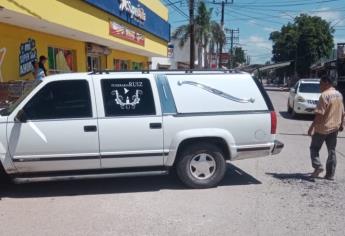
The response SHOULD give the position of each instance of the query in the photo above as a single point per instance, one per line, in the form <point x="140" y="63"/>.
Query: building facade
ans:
<point x="80" y="35"/>
<point x="179" y="57"/>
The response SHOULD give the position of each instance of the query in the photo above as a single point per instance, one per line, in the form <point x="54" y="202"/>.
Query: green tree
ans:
<point x="206" y="32"/>
<point x="239" y="56"/>
<point x="203" y="30"/>
<point x="304" y="41"/>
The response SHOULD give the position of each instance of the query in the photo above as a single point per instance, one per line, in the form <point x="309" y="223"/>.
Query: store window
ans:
<point x="61" y="60"/>
<point x="127" y="97"/>
<point x="60" y="100"/>
<point x="121" y="65"/>
<point x="137" y="66"/>
<point x="93" y="63"/>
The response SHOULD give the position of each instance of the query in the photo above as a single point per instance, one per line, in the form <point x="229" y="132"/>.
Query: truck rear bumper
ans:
<point x="253" y="151"/>
<point x="277" y="147"/>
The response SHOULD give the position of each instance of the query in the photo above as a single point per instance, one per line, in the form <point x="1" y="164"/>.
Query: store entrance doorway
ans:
<point x="96" y="57"/>
<point x="93" y="63"/>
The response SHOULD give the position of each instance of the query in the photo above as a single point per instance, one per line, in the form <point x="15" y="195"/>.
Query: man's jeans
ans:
<point x="331" y="143"/>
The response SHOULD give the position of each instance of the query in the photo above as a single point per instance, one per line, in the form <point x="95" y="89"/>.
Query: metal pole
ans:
<point x="231" y="49"/>
<point x="221" y="45"/>
<point x="191" y="32"/>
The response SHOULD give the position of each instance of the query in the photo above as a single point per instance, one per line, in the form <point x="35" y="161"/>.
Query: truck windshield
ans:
<point x="309" y="88"/>
<point x="7" y="111"/>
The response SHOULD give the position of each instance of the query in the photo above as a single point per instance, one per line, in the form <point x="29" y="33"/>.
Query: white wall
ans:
<point x="180" y="55"/>
<point x="156" y="61"/>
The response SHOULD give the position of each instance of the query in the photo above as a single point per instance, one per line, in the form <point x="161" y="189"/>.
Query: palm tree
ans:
<point x="202" y="33"/>
<point x="203" y="30"/>
<point x="181" y="34"/>
<point x="217" y="38"/>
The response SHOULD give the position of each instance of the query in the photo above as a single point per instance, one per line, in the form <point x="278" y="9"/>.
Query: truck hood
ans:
<point x="310" y="96"/>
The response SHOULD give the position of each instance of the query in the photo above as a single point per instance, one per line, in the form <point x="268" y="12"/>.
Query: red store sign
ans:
<point x="121" y="31"/>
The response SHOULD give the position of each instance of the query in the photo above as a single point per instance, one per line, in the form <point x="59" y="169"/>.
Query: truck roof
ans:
<point x="170" y="72"/>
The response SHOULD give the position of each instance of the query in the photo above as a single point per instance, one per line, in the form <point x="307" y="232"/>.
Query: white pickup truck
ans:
<point x="108" y="124"/>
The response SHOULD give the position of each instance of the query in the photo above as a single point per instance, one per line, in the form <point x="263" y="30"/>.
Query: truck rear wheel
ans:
<point x="201" y="165"/>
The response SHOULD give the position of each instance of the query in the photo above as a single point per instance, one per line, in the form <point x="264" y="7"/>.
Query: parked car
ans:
<point x="79" y="126"/>
<point x="303" y="97"/>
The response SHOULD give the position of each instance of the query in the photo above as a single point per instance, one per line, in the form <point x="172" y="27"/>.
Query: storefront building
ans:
<point x="80" y="35"/>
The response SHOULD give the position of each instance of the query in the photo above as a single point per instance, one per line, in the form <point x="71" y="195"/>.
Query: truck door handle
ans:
<point x="155" y="125"/>
<point x="90" y="128"/>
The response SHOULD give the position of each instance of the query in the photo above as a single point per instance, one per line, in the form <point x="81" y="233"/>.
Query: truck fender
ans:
<point x="199" y="133"/>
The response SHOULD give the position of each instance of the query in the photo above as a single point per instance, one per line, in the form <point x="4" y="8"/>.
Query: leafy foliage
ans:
<point x="208" y="33"/>
<point x="304" y="41"/>
<point x="239" y="56"/>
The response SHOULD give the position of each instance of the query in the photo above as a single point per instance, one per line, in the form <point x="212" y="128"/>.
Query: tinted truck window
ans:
<point x="61" y="99"/>
<point x="126" y="97"/>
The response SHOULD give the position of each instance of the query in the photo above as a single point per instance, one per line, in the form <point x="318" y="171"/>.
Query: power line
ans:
<point x="178" y="10"/>
<point x="263" y="5"/>
<point x="255" y="18"/>
<point x="340" y="9"/>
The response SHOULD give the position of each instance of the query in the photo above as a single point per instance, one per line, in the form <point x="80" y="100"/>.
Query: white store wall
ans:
<point x="179" y="55"/>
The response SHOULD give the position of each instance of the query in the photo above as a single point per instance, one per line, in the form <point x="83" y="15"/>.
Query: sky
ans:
<point x="256" y="19"/>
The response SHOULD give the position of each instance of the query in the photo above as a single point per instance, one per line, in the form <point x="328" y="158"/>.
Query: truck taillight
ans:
<point x="273" y="122"/>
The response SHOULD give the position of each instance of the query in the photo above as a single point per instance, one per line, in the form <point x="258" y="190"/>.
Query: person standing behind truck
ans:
<point x="41" y="63"/>
<point x="37" y="72"/>
<point x="329" y="117"/>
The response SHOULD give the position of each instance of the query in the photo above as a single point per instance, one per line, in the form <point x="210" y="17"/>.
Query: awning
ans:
<point x="165" y="65"/>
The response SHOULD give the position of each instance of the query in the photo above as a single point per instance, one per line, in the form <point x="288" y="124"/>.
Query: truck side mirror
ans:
<point x="21" y="117"/>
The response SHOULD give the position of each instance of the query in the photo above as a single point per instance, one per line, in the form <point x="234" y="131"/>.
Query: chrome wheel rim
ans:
<point x="202" y="166"/>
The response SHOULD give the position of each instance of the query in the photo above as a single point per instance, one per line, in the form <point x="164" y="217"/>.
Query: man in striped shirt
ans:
<point x="329" y="116"/>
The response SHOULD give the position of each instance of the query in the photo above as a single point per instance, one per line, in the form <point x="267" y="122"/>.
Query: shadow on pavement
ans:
<point x="293" y="134"/>
<point x="286" y="115"/>
<point x="276" y="89"/>
<point x="233" y="176"/>
<point x="302" y="134"/>
<point x="292" y="176"/>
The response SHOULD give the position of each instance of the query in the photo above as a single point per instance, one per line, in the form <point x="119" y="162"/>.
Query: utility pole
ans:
<point x="191" y="34"/>
<point x="221" y="45"/>
<point x="222" y="25"/>
<point x="231" y="49"/>
<point x="232" y="39"/>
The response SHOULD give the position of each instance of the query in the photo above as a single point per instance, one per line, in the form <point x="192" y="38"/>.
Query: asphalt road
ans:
<point x="267" y="196"/>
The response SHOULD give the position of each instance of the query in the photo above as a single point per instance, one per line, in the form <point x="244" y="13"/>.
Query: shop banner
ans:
<point x="137" y="14"/>
<point x="27" y="54"/>
<point x="224" y="58"/>
<point x="123" y="32"/>
<point x="170" y="50"/>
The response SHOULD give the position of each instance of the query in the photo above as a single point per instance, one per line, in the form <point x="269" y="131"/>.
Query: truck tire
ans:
<point x="4" y="178"/>
<point x="201" y="165"/>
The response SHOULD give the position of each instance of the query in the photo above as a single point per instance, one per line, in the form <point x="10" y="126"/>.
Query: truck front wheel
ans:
<point x="201" y="165"/>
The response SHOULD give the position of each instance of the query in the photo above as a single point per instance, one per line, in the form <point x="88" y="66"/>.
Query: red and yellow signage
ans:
<point x="123" y="32"/>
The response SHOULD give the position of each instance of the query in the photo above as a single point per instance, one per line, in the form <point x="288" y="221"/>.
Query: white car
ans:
<point x="110" y="124"/>
<point x="304" y="97"/>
